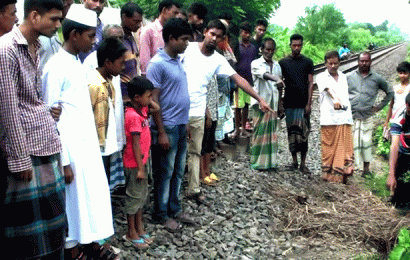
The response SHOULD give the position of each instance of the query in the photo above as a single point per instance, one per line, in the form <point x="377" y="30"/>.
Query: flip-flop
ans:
<point x="147" y="238"/>
<point x="208" y="181"/>
<point x="137" y="243"/>
<point x="212" y="176"/>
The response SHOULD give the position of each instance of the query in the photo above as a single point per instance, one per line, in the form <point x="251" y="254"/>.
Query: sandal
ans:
<point x="208" y="181"/>
<point x="172" y="226"/>
<point x="305" y="170"/>
<point x="147" y="238"/>
<point x="199" y="198"/>
<point x="213" y="177"/>
<point x="139" y="244"/>
<point x="104" y="252"/>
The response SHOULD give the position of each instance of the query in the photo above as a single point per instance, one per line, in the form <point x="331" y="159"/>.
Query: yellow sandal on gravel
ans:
<point x="208" y="181"/>
<point x="213" y="177"/>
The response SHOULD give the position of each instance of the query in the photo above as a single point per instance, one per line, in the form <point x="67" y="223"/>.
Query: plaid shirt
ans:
<point x="29" y="130"/>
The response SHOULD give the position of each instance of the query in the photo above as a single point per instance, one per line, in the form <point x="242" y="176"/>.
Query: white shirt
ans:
<point x="267" y="89"/>
<point x="328" y="115"/>
<point x="200" y="69"/>
<point x="399" y="103"/>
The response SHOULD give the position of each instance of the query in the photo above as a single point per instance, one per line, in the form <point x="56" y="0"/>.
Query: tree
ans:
<point x="321" y="25"/>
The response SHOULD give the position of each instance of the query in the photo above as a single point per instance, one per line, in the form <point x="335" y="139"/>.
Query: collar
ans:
<point x="328" y="74"/>
<point x="161" y="52"/>
<point x="368" y="75"/>
<point x="158" y="25"/>
<point x="21" y="40"/>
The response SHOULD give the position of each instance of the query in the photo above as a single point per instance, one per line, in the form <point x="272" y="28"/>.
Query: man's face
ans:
<point x="66" y="6"/>
<point x="212" y="37"/>
<point x="95" y="5"/>
<point x="332" y="65"/>
<point x="171" y="12"/>
<point x="268" y="50"/>
<point x="117" y="66"/>
<point x="296" y="47"/>
<point x="260" y="31"/>
<point x="8" y="18"/>
<point x="364" y="62"/>
<point x="245" y="35"/>
<point x="181" y="43"/>
<point x="85" y="40"/>
<point x="195" y="21"/>
<point x="48" y="23"/>
<point x="132" y="23"/>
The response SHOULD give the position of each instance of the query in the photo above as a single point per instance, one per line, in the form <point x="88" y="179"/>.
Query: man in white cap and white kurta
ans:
<point x="87" y="192"/>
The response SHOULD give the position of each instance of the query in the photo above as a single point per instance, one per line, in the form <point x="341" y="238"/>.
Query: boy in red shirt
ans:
<point x="136" y="153"/>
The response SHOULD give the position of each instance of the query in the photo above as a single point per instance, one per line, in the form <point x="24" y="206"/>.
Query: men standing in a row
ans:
<point x="364" y="84"/>
<point x="297" y="71"/>
<point x="96" y="6"/>
<point x="35" y="222"/>
<point x="151" y="35"/>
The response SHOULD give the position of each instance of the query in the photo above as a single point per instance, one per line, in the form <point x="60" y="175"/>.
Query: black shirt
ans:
<point x="295" y="72"/>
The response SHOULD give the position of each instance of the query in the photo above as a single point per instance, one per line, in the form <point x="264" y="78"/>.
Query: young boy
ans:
<point x="64" y="79"/>
<point x="136" y="153"/>
<point x="111" y="60"/>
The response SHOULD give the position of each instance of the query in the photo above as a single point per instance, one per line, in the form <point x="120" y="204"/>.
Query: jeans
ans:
<point x="168" y="170"/>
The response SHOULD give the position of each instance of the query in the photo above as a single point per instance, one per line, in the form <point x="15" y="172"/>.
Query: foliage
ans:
<point x="377" y="183"/>
<point x="239" y="9"/>
<point x="401" y="250"/>
<point x="321" y="25"/>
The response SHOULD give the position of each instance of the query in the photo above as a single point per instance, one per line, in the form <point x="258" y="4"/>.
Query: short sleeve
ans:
<point x="311" y="69"/>
<point x="257" y="70"/>
<point x="133" y="122"/>
<point x="321" y="83"/>
<point x="154" y="74"/>
<point x="224" y="69"/>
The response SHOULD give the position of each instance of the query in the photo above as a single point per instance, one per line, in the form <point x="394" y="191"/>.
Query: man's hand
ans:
<point x="24" y="176"/>
<point x="391" y="183"/>
<point x="140" y="174"/>
<point x="337" y="105"/>
<point x="68" y="174"/>
<point x="163" y="140"/>
<point x="264" y="106"/>
<point x="208" y="122"/>
<point x="55" y="112"/>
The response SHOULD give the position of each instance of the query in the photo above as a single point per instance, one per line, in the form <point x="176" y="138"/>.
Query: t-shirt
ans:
<point x="247" y="53"/>
<point x="328" y="114"/>
<point x="136" y="123"/>
<point x="397" y="129"/>
<point x="200" y="69"/>
<point x="295" y="72"/>
<point x="168" y="75"/>
<point x="399" y="102"/>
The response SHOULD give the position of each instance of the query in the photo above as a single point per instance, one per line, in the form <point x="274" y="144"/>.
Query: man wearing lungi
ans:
<point x="364" y="84"/>
<point x="297" y="71"/>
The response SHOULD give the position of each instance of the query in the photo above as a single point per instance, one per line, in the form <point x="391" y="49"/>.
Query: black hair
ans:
<point x="365" y="53"/>
<point x="216" y="24"/>
<point x="41" y="6"/>
<point x="138" y="86"/>
<point x="130" y="8"/>
<point x="332" y="54"/>
<point x="69" y="25"/>
<point x="245" y="26"/>
<point x="167" y="4"/>
<point x="199" y="9"/>
<point x="5" y="3"/>
<point x="296" y="37"/>
<point x="175" y="27"/>
<point x="403" y="67"/>
<point x="226" y="16"/>
<point x="110" y="49"/>
<point x="265" y="40"/>
<point x="261" y="22"/>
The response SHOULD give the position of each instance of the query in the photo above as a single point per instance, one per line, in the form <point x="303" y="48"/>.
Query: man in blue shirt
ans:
<point x="169" y="132"/>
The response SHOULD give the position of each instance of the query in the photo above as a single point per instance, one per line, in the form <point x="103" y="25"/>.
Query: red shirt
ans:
<point x="136" y="123"/>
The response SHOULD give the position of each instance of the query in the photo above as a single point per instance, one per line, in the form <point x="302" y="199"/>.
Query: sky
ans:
<point x="375" y="12"/>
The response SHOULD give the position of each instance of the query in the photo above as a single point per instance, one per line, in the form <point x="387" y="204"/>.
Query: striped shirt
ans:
<point x="29" y="130"/>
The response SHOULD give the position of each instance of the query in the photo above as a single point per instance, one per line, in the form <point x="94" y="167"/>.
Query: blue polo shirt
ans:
<point x="168" y="75"/>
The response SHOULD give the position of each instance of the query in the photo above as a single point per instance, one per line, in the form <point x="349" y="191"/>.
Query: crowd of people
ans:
<point x="87" y="107"/>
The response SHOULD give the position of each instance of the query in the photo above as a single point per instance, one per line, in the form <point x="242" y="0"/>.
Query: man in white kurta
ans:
<point x="88" y="201"/>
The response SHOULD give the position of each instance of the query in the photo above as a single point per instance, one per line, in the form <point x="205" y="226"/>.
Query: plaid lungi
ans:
<point x="298" y="125"/>
<point x="117" y="177"/>
<point x="34" y="212"/>
<point x="362" y="144"/>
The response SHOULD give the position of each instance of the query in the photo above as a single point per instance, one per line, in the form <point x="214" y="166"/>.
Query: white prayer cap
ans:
<point x="80" y="14"/>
